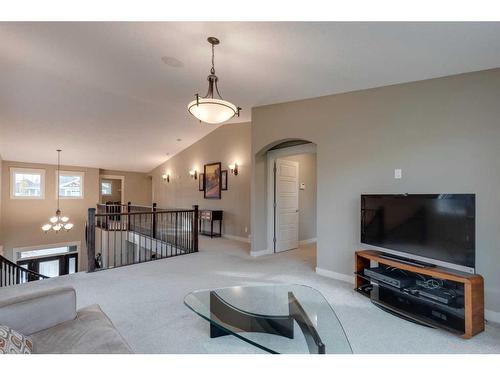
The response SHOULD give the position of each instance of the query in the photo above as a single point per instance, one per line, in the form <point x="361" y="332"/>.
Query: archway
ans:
<point x="264" y="214"/>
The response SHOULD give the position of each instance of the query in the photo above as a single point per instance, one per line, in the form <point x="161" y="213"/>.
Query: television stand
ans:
<point x="409" y="261"/>
<point x="436" y="297"/>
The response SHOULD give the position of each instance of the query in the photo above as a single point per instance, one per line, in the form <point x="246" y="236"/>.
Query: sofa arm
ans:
<point x="34" y="312"/>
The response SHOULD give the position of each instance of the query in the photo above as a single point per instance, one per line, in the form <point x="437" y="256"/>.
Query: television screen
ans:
<point x="433" y="226"/>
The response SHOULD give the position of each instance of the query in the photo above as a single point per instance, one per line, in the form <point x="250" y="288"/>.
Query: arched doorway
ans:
<point x="284" y="196"/>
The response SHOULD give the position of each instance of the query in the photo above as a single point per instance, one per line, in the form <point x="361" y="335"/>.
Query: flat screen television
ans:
<point x="434" y="228"/>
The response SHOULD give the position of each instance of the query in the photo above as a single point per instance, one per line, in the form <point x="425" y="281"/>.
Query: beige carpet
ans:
<point x="145" y="302"/>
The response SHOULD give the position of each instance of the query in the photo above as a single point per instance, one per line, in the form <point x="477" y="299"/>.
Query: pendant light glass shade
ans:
<point x="210" y="109"/>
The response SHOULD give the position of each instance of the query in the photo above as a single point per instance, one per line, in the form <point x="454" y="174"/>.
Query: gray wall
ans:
<point x="22" y="219"/>
<point x="307" y="197"/>
<point x="226" y="144"/>
<point x="26" y="216"/>
<point x="137" y="186"/>
<point x="1" y="176"/>
<point x="444" y="133"/>
<point x="116" y="190"/>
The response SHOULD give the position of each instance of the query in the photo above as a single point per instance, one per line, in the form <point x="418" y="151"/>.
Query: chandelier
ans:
<point x="210" y="109"/>
<point x="58" y="222"/>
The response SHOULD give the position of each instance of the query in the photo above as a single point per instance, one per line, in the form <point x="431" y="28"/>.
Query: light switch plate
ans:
<point x="302" y="186"/>
<point x="398" y="173"/>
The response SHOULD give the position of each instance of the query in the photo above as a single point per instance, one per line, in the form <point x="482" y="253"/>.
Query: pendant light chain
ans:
<point x="58" y="222"/>
<point x="212" y="71"/>
<point x="58" y="176"/>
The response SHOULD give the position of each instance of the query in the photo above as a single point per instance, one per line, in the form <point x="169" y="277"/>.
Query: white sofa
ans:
<point x="55" y="326"/>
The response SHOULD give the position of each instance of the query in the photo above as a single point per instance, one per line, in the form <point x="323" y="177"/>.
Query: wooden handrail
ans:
<point x="12" y="264"/>
<point x="141" y="212"/>
<point x="10" y="273"/>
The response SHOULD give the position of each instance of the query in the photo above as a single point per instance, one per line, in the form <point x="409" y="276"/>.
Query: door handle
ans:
<point x="296" y="210"/>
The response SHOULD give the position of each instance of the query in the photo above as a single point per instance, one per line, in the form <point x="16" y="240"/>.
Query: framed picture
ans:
<point x="224" y="179"/>
<point x="213" y="181"/>
<point x="201" y="182"/>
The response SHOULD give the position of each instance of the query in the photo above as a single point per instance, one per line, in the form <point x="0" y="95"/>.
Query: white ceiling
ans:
<point x="101" y="92"/>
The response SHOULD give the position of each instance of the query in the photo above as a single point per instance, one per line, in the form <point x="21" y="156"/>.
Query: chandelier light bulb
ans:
<point x="53" y="219"/>
<point x="57" y="227"/>
<point x="46" y="227"/>
<point x="68" y="226"/>
<point x="65" y="219"/>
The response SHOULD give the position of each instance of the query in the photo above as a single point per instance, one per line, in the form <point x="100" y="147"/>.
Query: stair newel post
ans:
<point x="106" y="218"/>
<point x="91" y="240"/>
<point x="153" y="222"/>
<point x="195" y="228"/>
<point x="128" y="216"/>
<point x="176" y="226"/>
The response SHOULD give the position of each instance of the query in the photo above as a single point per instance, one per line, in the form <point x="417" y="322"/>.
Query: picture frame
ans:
<point x="224" y="180"/>
<point x="201" y="182"/>
<point x="213" y="181"/>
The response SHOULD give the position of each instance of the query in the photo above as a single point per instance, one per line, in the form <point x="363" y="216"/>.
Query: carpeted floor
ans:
<point x="145" y="302"/>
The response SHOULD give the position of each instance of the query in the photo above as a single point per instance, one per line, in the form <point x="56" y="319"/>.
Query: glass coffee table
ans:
<point x="279" y="318"/>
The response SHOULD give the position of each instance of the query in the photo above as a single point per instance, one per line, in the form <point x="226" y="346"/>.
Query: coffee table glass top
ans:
<point x="277" y="318"/>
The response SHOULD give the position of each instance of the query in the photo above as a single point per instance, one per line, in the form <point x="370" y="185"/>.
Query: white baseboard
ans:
<point x="308" y="241"/>
<point x="335" y="275"/>
<point x="236" y="238"/>
<point x="261" y="252"/>
<point x="492" y="316"/>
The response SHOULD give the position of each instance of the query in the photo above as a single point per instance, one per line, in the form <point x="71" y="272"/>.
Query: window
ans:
<point x="70" y="184"/>
<point x="106" y="188"/>
<point x="27" y="183"/>
<point x="46" y="252"/>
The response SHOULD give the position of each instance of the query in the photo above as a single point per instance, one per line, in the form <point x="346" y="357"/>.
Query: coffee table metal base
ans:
<point x="244" y="321"/>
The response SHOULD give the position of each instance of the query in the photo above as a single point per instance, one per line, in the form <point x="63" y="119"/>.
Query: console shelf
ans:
<point x="466" y="320"/>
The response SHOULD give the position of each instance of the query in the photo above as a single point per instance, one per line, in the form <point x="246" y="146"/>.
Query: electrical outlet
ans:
<point x="246" y="229"/>
<point x="398" y="174"/>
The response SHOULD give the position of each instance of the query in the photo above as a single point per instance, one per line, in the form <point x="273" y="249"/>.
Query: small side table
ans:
<point x="211" y="216"/>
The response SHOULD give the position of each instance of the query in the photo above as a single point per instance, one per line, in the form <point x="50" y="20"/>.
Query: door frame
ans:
<point x="16" y="252"/>
<point x="272" y="155"/>
<point x="113" y="177"/>
<point x="34" y="262"/>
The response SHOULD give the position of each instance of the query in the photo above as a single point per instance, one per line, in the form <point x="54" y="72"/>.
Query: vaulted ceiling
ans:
<point x="114" y="95"/>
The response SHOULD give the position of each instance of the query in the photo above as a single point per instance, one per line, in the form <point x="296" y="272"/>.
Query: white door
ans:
<point x="286" y="228"/>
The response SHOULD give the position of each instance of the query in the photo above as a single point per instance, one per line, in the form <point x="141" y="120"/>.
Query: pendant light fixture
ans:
<point x="58" y="222"/>
<point x="210" y="109"/>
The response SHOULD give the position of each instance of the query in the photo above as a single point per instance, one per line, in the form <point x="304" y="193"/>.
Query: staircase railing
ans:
<point x="120" y="235"/>
<point x="13" y="274"/>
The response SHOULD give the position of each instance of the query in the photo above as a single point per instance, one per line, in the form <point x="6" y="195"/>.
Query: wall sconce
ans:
<point x="194" y="174"/>
<point x="166" y="177"/>
<point x="233" y="168"/>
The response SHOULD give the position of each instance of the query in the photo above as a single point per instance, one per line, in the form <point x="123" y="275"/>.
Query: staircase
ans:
<point x="13" y="274"/>
<point x="120" y="235"/>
